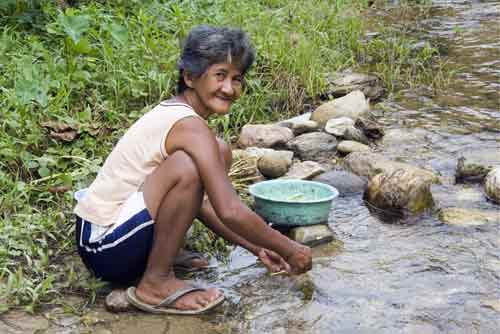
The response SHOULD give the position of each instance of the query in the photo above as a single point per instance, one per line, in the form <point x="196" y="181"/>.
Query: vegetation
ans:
<point x="72" y="80"/>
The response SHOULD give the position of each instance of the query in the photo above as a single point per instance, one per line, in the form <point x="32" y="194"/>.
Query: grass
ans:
<point x="97" y="66"/>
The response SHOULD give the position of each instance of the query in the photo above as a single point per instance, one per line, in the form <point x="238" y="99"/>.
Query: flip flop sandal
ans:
<point x="182" y="263"/>
<point x="166" y="305"/>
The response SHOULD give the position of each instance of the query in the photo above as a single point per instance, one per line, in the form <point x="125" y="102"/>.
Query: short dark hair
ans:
<point x="206" y="45"/>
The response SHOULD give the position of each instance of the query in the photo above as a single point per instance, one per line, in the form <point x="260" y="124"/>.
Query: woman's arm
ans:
<point x="193" y="136"/>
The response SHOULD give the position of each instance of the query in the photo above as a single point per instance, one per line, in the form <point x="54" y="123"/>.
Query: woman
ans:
<point x="132" y="222"/>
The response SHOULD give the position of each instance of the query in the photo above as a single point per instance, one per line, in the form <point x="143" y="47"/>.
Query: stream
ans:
<point x="417" y="277"/>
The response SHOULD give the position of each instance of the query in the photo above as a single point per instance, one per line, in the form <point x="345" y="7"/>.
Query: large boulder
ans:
<point x="275" y="163"/>
<point x="304" y="170"/>
<point x="345" y="182"/>
<point x="264" y="135"/>
<point x="313" y="146"/>
<point x="369" y="164"/>
<point x="492" y="185"/>
<point x="468" y="217"/>
<point x="352" y="105"/>
<point x="401" y="190"/>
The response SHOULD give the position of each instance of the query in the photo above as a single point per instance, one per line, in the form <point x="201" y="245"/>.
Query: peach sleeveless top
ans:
<point x="136" y="155"/>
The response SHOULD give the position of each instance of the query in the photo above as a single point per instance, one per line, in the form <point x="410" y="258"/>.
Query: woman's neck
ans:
<point x="192" y="99"/>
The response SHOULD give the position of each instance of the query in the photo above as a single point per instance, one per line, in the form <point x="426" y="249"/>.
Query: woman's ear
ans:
<point x="188" y="78"/>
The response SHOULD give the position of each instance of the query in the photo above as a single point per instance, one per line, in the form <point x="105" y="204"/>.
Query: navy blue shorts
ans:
<point x="120" y="253"/>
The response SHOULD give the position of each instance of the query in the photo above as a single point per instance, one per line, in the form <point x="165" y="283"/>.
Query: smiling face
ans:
<point x="215" y="90"/>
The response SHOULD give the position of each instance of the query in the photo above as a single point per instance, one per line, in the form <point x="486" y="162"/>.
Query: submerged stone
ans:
<point x="345" y="182"/>
<point x="468" y="217"/>
<point x="492" y="185"/>
<point x="349" y="146"/>
<point x="312" y="235"/>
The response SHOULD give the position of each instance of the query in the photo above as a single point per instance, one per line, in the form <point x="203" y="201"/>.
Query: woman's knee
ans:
<point x="187" y="170"/>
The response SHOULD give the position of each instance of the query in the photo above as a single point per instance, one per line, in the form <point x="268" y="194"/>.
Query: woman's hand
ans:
<point x="300" y="260"/>
<point x="273" y="262"/>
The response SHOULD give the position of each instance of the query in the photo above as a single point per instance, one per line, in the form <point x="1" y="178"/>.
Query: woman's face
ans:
<point x="218" y="88"/>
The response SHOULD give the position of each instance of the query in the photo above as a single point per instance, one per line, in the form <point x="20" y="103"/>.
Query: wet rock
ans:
<point x="275" y="164"/>
<point x="369" y="164"/>
<point x="300" y="124"/>
<point x="17" y="322"/>
<point x="355" y="134"/>
<point x="116" y="301"/>
<point x="349" y="146"/>
<point x="312" y="235"/>
<point x="352" y="105"/>
<point x="401" y="137"/>
<point x="493" y="304"/>
<point x="402" y="190"/>
<point x="313" y="146"/>
<point x="347" y="82"/>
<point x="345" y="182"/>
<point x="468" y="217"/>
<point x="265" y="135"/>
<point x="492" y="185"/>
<point x="338" y="126"/>
<point x="304" y="170"/>
<point x="470" y="172"/>
<point x="371" y="129"/>
<point x="456" y="196"/>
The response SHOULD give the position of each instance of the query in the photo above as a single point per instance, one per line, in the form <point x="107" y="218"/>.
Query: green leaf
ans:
<point x="31" y="90"/>
<point x="118" y="32"/>
<point x="83" y="46"/>
<point x="74" y="26"/>
<point x="43" y="171"/>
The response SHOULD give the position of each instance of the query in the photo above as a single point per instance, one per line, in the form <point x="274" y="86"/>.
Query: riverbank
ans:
<point x="73" y="81"/>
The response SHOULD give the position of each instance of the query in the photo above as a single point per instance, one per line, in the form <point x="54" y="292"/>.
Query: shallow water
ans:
<point x="418" y="276"/>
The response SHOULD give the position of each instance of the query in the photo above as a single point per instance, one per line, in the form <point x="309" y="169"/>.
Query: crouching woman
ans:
<point x="134" y="217"/>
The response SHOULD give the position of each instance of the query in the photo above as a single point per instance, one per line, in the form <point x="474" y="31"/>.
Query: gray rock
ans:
<point x="369" y="164"/>
<point x="402" y="190"/>
<point x="352" y="105"/>
<point x="347" y="82"/>
<point x="312" y="235"/>
<point x="355" y="134"/>
<point x="470" y="171"/>
<point x="275" y="164"/>
<point x="304" y="170"/>
<point x="265" y="135"/>
<point x="349" y="146"/>
<point x="345" y="182"/>
<point x="338" y="126"/>
<point x="116" y="301"/>
<point x="313" y="146"/>
<point x="492" y="185"/>
<point x="300" y="124"/>
<point x="371" y="129"/>
<point x="468" y="217"/>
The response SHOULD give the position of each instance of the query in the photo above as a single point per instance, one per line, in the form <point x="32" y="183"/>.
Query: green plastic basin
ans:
<point x="293" y="202"/>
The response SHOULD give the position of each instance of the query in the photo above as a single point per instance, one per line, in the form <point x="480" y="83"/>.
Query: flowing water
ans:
<point x="416" y="277"/>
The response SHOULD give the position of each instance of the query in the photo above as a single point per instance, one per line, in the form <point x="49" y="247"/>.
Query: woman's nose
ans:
<point x="227" y="87"/>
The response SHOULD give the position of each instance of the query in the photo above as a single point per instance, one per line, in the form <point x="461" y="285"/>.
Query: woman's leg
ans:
<point x="173" y="194"/>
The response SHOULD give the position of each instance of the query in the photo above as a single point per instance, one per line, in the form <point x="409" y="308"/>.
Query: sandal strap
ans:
<point x="178" y="294"/>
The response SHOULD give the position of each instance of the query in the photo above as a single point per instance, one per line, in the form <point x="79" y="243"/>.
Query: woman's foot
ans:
<point x="155" y="292"/>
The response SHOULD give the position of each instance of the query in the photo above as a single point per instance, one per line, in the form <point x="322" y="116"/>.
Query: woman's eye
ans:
<point x="220" y="75"/>
<point x="238" y="79"/>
